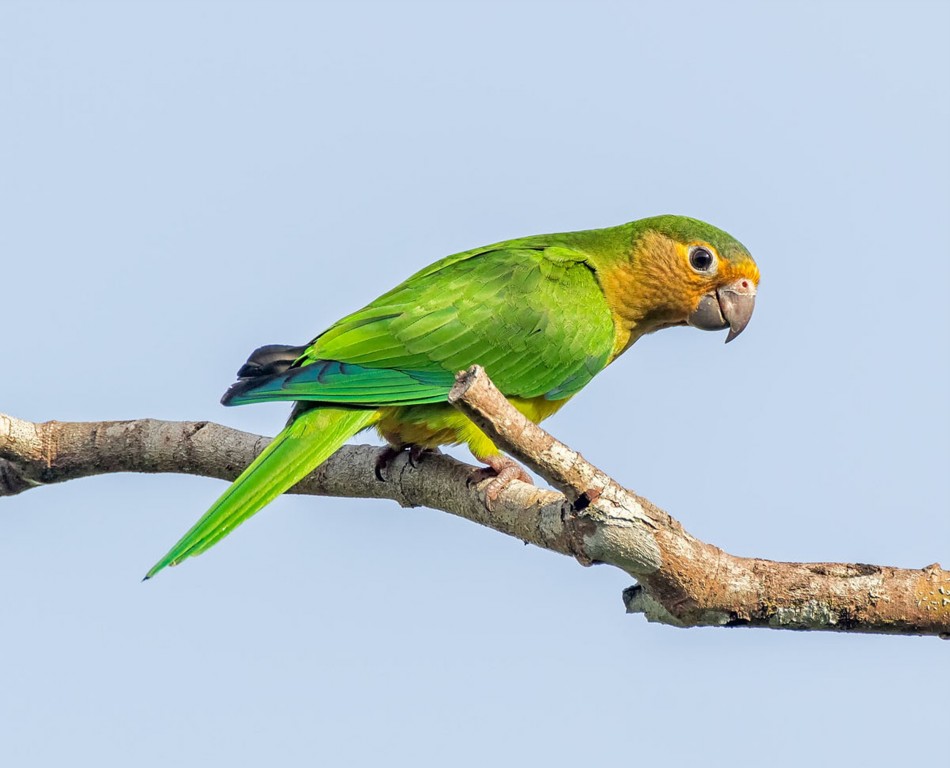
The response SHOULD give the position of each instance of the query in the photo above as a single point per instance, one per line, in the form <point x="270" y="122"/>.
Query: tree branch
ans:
<point x="682" y="581"/>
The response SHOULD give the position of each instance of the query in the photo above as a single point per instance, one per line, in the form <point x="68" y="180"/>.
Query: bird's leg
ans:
<point x="418" y="452"/>
<point x="503" y="471"/>
<point x="386" y="456"/>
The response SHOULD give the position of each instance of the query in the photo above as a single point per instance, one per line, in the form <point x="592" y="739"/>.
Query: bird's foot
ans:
<point x="386" y="456"/>
<point x="502" y="471"/>
<point x="418" y="452"/>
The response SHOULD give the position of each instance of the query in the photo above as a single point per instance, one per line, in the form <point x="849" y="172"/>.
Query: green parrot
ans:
<point x="543" y="315"/>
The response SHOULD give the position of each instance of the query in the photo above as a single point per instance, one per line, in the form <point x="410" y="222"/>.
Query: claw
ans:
<point x="502" y="472"/>
<point x="418" y="452"/>
<point x="384" y="459"/>
<point x="386" y="456"/>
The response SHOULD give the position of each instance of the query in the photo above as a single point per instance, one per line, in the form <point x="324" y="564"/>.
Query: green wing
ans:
<point x="531" y="314"/>
<point x="336" y="383"/>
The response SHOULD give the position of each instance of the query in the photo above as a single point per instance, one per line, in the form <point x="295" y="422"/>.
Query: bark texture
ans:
<point x="682" y="581"/>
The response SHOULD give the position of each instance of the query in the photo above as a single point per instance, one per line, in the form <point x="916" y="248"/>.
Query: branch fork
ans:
<point x="682" y="581"/>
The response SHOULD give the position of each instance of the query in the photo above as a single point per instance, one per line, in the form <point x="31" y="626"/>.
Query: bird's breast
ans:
<point x="441" y="424"/>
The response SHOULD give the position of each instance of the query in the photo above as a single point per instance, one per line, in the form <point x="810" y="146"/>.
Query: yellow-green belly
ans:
<point x="441" y="424"/>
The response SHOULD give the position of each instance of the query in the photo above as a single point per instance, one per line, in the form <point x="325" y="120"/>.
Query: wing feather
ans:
<point x="536" y="321"/>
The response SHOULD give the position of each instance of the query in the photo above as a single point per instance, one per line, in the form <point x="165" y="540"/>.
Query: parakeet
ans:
<point x="543" y="315"/>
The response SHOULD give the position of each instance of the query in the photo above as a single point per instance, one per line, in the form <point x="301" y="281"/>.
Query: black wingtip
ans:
<point x="239" y="388"/>
<point x="233" y="391"/>
<point x="270" y="359"/>
<point x="264" y="363"/>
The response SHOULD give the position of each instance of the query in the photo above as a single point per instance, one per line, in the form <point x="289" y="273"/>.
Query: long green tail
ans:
<point x="300" y="448"/>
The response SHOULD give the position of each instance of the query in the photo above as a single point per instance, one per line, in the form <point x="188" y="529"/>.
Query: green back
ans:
<point x="529" y="311"/>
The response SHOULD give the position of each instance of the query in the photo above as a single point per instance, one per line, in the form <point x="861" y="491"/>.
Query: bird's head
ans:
<point x="682" y="271"/>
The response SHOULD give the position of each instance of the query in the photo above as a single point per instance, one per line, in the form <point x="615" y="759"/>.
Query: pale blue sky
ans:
<point x="183" y="182"/>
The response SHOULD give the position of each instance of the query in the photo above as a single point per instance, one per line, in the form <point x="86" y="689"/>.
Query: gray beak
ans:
<point x="728" y="307"/>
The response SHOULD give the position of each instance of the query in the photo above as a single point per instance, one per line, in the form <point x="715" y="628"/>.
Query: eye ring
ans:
<point x="702" y="260"/>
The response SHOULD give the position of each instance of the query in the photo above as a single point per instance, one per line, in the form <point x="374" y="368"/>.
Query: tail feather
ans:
<point x="300" y="448"/>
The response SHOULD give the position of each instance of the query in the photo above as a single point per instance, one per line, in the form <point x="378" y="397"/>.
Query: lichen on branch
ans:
<point x="682" y="581"/>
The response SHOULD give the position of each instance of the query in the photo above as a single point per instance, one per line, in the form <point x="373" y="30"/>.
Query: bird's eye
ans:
<point x="702" y="260"/>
